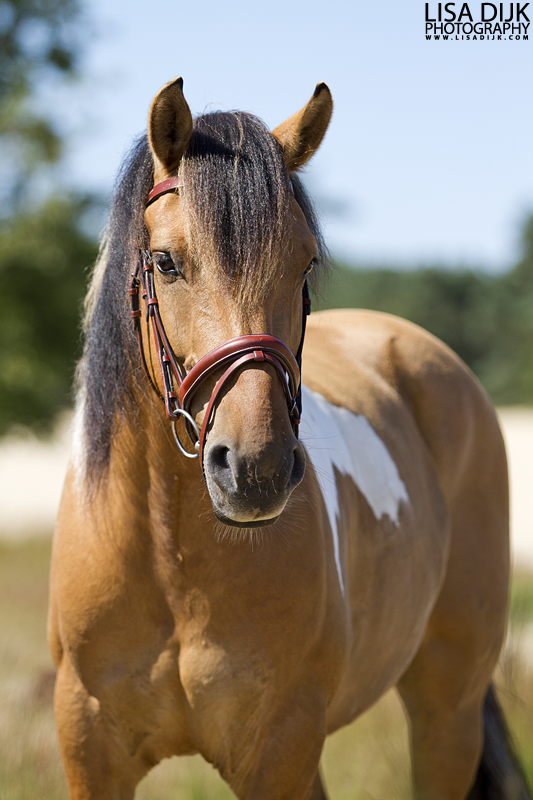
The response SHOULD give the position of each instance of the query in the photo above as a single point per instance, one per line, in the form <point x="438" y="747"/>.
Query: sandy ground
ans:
<point x="32" y="473"/>
<point x="517" y="426"/>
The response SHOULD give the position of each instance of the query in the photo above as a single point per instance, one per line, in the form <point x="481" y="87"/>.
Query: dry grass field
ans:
<point x="367" y="761"/>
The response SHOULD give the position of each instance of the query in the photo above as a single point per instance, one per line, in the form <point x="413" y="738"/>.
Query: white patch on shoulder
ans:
<point x="334" y="437"/>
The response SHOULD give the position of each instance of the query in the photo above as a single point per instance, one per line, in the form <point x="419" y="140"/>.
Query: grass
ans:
<point x="366" y="761"/>
<point x="29" y="761"/>
<point x="521" y="606"/>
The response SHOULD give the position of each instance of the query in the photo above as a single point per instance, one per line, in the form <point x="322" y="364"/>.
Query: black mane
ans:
<point x="237" y="190"/>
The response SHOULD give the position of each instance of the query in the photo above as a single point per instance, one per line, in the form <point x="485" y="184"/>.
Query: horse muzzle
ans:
<point x="247" y="490"/>
<point x="249" y="482"/>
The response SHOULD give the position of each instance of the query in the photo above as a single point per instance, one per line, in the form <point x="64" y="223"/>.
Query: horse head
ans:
<point x="230" y="249"/>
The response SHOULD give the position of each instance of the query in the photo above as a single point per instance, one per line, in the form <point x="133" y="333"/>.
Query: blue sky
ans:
<point x="429" y="153"/>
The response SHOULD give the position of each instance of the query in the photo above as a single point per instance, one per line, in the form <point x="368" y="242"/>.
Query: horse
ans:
<point x="244" y="563"/>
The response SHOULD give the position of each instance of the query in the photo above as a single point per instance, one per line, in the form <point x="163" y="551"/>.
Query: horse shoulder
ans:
<point x="441" y="433"/>
<point x="103" y="576"/>
<point x="447" y="403"/>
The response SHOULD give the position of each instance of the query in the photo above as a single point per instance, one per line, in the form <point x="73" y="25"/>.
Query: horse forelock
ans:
<point x="237" y="195"/>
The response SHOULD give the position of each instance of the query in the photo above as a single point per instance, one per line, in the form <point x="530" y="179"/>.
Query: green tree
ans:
<point x="44" y="251"/>
<point x="43" y="258"/>
<point x="514" y="347"/>
<point x="38" y="43"/>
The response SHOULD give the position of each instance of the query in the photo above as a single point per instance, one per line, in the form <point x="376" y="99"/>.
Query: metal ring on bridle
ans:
<point x="181" y="412"/>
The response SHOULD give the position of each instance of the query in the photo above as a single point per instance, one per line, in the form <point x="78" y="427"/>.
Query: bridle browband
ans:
<point x="231" y="356"/>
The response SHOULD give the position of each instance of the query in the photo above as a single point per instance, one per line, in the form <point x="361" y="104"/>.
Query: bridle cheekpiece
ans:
<point x="179" y="387"/>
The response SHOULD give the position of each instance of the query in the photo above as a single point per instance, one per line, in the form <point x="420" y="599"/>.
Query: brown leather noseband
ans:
<point x="231" y="356"/>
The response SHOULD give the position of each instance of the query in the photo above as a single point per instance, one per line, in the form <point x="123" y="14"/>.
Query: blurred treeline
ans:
<point x="487" y="319"/>
<point x="44" y="260"/>
<point x="46" y="249"/>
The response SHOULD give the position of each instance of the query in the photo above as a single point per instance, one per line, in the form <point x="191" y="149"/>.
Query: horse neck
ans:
<point x="151" y="487"/>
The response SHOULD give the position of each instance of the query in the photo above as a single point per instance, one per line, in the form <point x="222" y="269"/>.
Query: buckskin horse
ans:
<point x="243" y="565"/>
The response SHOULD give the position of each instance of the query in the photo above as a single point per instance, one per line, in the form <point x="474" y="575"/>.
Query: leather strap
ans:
<point x="234" y="349"/>
<point x="234" y="354"/>
<point x="170" y="185"/>
<point x="247" y="358"/>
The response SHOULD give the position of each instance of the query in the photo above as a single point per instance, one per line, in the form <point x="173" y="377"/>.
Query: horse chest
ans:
<point x="227" y="676"/>
<point x="388" y="541"/>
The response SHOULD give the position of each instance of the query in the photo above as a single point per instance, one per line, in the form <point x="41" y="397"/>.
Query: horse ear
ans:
<point x="300" y="135"/>
<point x="169" y="127"/>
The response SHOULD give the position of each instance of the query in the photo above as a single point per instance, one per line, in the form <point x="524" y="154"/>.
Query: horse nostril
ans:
<point x="298" y="467"/>
<point x="218" y="465"/>
<point x="234" y="474"/>
<point x="219" y="457"/>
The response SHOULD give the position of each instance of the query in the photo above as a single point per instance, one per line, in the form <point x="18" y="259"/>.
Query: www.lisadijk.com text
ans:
<point x="483" y="22"/>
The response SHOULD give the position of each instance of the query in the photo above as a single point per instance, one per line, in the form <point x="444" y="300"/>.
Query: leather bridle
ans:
<point x="231" y="356"/>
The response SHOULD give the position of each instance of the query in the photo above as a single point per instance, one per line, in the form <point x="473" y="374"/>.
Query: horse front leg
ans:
<point x="283" y="763"/>
<point x="97" y="766"/>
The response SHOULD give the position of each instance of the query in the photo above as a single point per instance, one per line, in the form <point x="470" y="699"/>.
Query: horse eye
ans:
<point x="166" y="265"/>
<point x="312" y="264"/>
